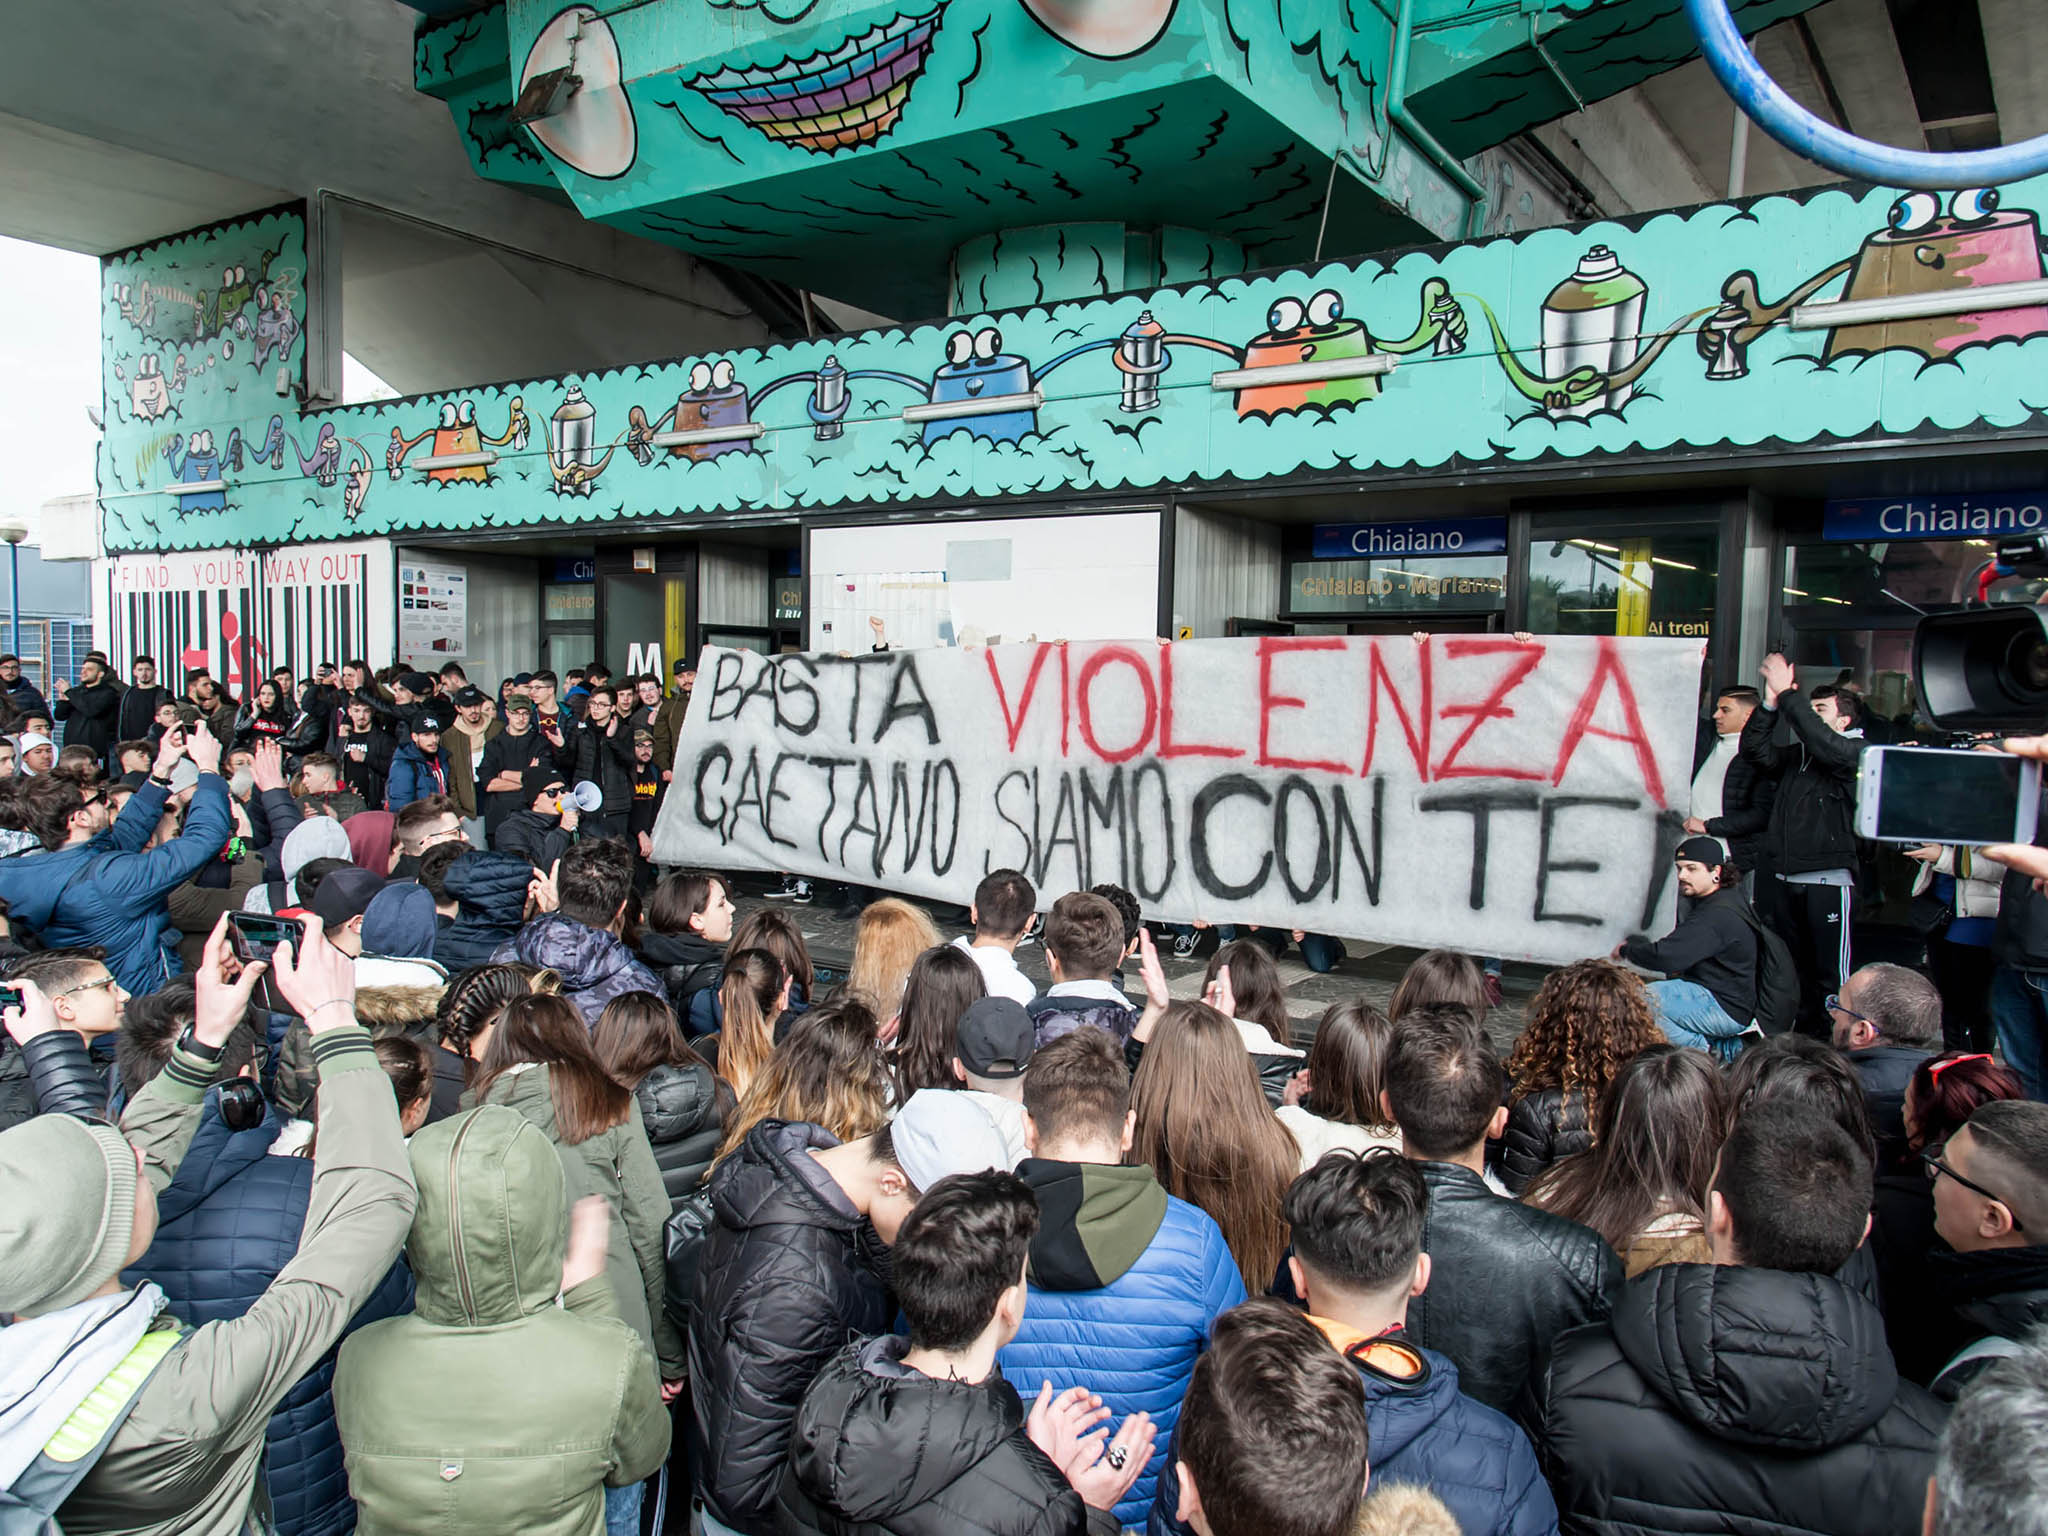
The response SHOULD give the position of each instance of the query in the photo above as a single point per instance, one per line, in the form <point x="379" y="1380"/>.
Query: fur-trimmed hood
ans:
<point x="1403" y="1509"/>
<point x="388" y="1010"/>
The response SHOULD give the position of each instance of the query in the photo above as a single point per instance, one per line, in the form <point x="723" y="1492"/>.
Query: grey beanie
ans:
<point x="317" y="837"/>
<point x="67" y="1212"/>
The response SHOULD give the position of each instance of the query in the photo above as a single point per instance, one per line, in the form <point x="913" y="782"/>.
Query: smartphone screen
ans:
<point x="1929" y="795"/>
<point x="256" y="935"/>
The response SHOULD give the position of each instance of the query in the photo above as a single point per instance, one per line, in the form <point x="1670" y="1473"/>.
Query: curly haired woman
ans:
<point x="1585" y="1021"/>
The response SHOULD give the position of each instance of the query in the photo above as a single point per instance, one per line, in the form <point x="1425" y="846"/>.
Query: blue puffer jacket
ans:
<point x="1125" y="1281"/>
<point x="111" y="893"/>
<point x="229" y="1222"/>
<point x="413" y="777"/>
<point x="595" y="966"/>
<point x="1423" y="1430"/>
<point x="490" y="895"/>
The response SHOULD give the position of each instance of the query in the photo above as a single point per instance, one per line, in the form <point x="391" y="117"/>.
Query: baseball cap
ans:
<point x="1701" y="850"/>
<point x="521" y="679"/>
<point x="994" y="1038"/>
<point x="519" y="701"/>
<point x="937" y="1133"/>
<point x="417" y="682"/>
<point x="641" y="733"/>
<point x="469" y="696"/>
<point x="345" y="894"/>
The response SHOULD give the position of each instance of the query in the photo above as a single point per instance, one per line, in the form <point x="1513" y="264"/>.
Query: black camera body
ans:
<point x="1986" y="669"/>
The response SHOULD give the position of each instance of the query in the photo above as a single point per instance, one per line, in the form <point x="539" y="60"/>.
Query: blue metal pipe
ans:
<point x="1757" y="94"/>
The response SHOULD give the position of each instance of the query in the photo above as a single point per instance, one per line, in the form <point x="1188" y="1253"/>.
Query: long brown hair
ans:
<point x="1436" y="977"/>
<point x="546" y="1030"/>
<point x="828" y="1071"/>
<point x="774" y="930"/>
<point x="637" y="1033"/>
<point x="890" y="937"/>
<point x="943" y="982"/>
<point x="1347" y="1065"/>
<point x="753" y="981"/>
<point x="1255" y="986"/>
<point x="1585" y="1021"/>
<point x="1659" y="1131"/>
<point x="1205" y="1127"/>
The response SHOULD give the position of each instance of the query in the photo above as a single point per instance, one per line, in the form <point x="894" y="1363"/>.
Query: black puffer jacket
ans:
<point x="490" y="898"/>
<point x="679" y="1107"/>
<point x="788" y="1275"/>
<point x="1996" y="1292"/>
<point x="882" y="1448"/>
<point x="52" y="1075"/>
<point x="1813" y="818"/>
<point x="1726" y="1399"/>
<point x="687" y="966"/>
<point x="1544" y="1127"/>
<point x="1508" y="1279"/>
<point x="1746" y="796"/>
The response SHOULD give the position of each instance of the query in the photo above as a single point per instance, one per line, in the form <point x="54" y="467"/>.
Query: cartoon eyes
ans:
<point x="1325" y="309"/>
<point x="241" y="275"/>
<point x="700" y="378"/>
<point x="468" y="412"/>
<point x="1914" y="212"/>
<point x="1974" y="206"/>
<point x="721" y="374"/>
<point x="201" y="444"/>
<point x="448" y="414"/>
<point x="1286" y="315"/>
<point x="963" y="347"/>
<point x="227" y="276"/>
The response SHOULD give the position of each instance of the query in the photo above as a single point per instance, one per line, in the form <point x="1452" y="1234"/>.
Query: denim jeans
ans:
<point x="1692" y="1016"/>
<point x="622" y="1510"/>
<point x="2019" y="1012"/>
<point x="1321" y="953"/>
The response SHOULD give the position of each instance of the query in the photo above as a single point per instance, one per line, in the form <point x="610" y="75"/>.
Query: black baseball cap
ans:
<point x="995" y="1038"/>
<point x="1701" y="850"/>
<point x="345" y="894"/>
<point x="470" y="696"/>
<point x="416" y="682"/>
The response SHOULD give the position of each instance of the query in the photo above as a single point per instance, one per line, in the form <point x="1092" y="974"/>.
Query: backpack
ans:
<point x="1777" y="980"/>
<point x="682" y="1242"/>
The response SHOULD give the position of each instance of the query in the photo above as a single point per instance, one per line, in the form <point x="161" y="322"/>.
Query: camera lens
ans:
<point x="2027" y="662"/>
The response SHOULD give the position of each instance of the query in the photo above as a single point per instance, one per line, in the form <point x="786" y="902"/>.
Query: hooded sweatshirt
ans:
<point x="594" y="963"/>
<point x="1125" y="1283"/>
<point x="531" y="1409"/>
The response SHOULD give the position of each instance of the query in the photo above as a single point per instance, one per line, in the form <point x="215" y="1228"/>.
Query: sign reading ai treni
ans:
<point x="1962" y="516"/>
<point x="1433" y="536"/>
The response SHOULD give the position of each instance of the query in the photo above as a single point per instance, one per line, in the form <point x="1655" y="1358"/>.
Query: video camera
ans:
<point x="1986" y="669"/>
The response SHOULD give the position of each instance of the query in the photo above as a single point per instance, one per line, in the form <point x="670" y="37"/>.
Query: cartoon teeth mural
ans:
<point x="1117" y="394"/>
<point x="848" y="96"/>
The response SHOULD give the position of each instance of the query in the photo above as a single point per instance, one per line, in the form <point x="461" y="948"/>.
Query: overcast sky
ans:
<point x="49" y="375"/>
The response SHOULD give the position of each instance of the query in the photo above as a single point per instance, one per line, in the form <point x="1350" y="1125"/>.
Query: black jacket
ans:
<point x="490" y="899"/>
<point x="88" y="712"/>
<point x="1996" y="1291"/>
<point x="24" y="697"/>
<point x="607" y="762"/>
<point x="137" y="711"/>
<point x="366" y="761"/>
<point x="882" y="1448"/>
<point x="680" y="1110"/>
<point x="1885" y="1070"/>
<point x="687" y="965"/>
<point x="1727" y="1399"/>
<point x="2021" y="936"/>
<point x="538" y="839"/>
<point x="1544" y="1127"/>
<point x="788" y="1275"/>
<point x="523" y="755"/>
<point x="1508" y="1279"/>
<point x="1747" y="794"/>
<point x="1714" y="944"/>
<point x="1813" y="818"/>
<point x="52" y="1075"/>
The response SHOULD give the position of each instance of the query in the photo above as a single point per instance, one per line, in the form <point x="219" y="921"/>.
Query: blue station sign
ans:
<point x="1964" y="515"/>
<point x="1429" y="536"/>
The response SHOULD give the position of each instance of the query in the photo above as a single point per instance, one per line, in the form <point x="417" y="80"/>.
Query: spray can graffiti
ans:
<point x="1141" y="358"/>
<point x="1593" y="319"/>
<point x="828" y="400"/>
<point x="572" y="432"/>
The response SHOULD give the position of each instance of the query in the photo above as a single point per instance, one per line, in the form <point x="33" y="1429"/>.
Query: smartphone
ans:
<point x="256" y="935"/>
<point x="1940" y="795"/>
<point x="10" y="997"/>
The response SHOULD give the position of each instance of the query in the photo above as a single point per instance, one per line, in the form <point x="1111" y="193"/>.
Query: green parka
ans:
<point x="490" y="1408"/>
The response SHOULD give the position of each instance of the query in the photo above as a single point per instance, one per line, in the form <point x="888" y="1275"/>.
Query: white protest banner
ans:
<point x="1515" y="798"/>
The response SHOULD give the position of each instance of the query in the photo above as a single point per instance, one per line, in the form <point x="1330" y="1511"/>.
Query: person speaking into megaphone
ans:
<point x="601" y="758"/>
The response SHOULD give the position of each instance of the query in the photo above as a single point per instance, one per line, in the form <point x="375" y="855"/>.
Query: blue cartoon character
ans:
<point x="977" y="369"/>
<point x="323" y="465"/>
<point x="194" y="462"/>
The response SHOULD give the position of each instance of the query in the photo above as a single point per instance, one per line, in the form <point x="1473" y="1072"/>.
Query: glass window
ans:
<point x="1400" y="584"/>
<point x="1654" y="584"/>
<point x="569" y="602"/>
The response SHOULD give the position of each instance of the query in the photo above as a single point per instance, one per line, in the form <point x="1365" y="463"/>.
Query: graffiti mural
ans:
<point x="1612" y="342"/>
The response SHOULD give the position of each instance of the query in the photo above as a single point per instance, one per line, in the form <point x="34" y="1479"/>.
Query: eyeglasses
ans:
<point x="1833" y="1004"/>
<point x="1936" y="1168"/>
<point x="88" y="986"/>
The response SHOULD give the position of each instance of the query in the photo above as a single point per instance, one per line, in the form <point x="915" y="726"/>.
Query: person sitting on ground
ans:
<point x="315" y="838"/>
<point x="320" y="788"/>
<point x="188" y="1408"/>
<point x="1662" y="1418"/>
<point x="826" y="1072"/>
<point x="922" y="1433"/>
<point x="751" y="998"/>
<point x="545" y="829"/>
<point x="387" y="925"/>
<point x="1886" y="1020"/>
<point x="794" y="1264"/>
<point x="1257" y="999"/>
<point x="419" y="825"/>
<point x="1200" y="1121"/>
<point x="132" y="760"/>
<point x="1439" y="977"/>
<point x="993" y="1046"/>
<point x="469" y="1009"/>
<point x="87" y="1002"/>
<point x="683" y="940"/>
<point x="1337" y="1098"/>
<point x="491" y="892"/>
<point x="890" y="936"/>
<point x="1708" y="998"/>
<point x="1991" y="1209"/>
<point x="943" y="984"/>
<point x="1273" y="1434"/>
<point x="514" y="1364"/>
<point x="580" y="939"/>
<point x="1509" y="1279"/>
<point x="410" y="1067"/>
<point x="682" y="1104"/>
<point x="433" y="874"/>
<point x="1003" y="913"/>
<point x="776" y="930"/>
<point x="1126" y="1279"/>
<point x="1643" y="1183"/>
<point x="1991" y="1467"/>
<point x="1584" y="1022"/>
<point x="1084" y="944"/>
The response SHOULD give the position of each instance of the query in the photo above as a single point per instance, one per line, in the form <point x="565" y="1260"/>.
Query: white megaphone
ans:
<point x="588" y="796"/>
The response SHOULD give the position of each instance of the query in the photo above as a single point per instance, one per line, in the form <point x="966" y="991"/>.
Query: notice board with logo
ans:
<point x="433" y="608"/>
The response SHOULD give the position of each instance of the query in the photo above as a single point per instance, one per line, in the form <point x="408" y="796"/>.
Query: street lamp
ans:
<point x="14" y="533"/>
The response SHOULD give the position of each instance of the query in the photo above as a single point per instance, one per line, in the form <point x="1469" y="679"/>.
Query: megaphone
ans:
<point x="588" y="796"/>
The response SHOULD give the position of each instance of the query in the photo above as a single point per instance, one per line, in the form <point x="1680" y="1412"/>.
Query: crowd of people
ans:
<point x="386" y="1142"/>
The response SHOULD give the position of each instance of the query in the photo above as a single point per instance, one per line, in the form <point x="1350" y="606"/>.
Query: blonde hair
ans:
<point x="828" y="1071"/>
<point x="891" y="935"/>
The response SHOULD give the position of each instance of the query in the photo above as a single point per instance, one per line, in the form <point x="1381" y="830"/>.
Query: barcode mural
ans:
<point x="238" y="613"/>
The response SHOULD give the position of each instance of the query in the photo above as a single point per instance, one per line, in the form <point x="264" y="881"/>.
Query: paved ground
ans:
<point x="1372" y="971"/>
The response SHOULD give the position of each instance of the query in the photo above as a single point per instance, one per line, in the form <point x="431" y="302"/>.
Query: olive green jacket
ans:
<point x="185" y="1459"/>
<point x="489" y="1409"/>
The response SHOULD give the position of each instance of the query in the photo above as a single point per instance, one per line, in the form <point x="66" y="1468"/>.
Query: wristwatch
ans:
<point x="190" y="1041"/>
